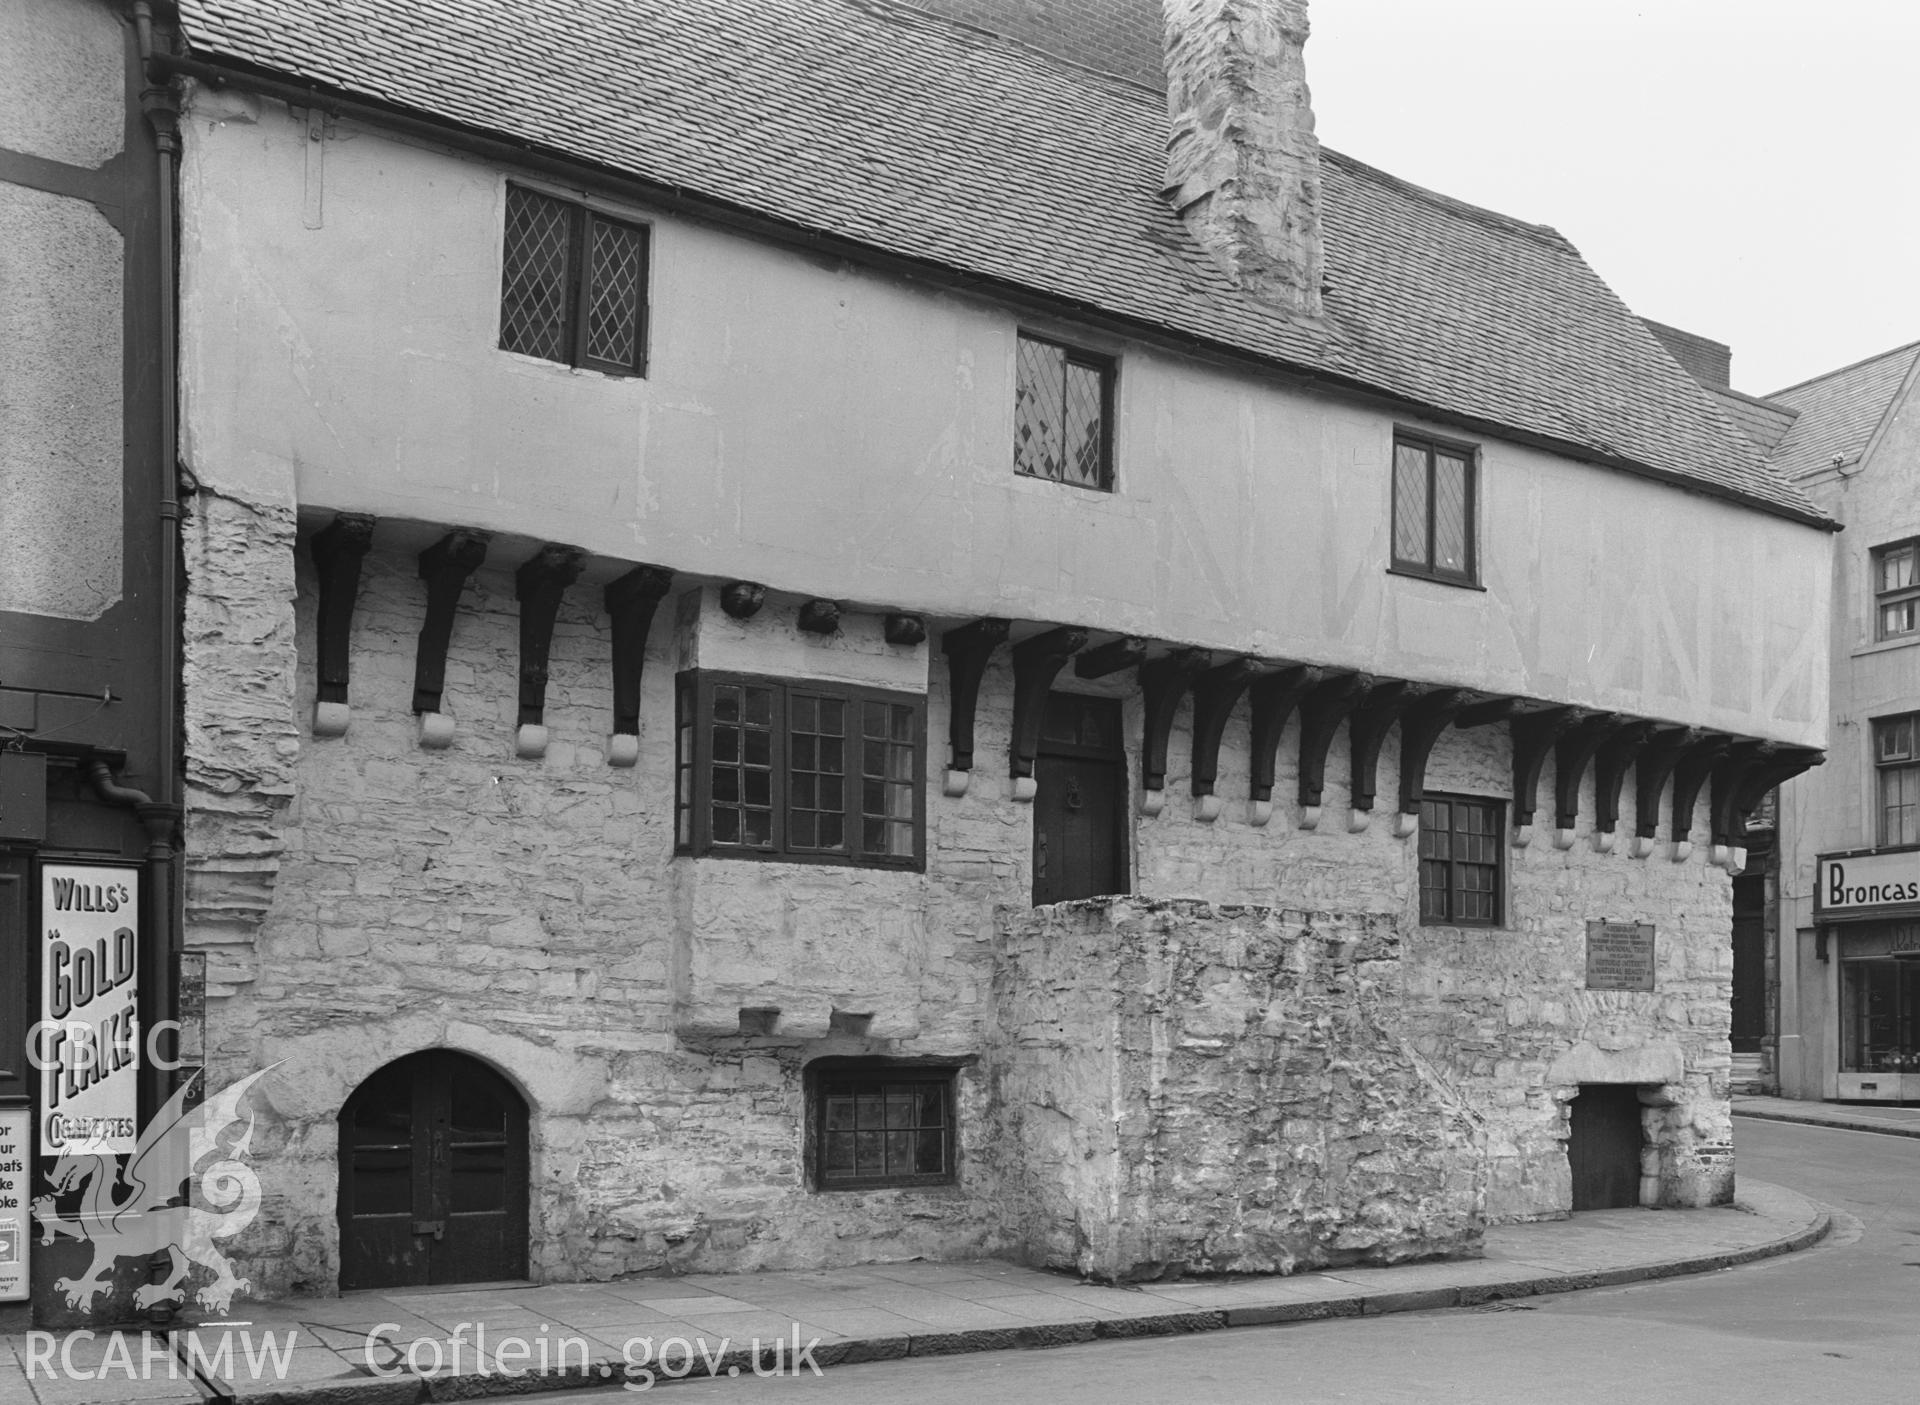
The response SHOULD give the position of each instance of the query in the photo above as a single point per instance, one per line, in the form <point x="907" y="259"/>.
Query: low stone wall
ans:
<point x="1191" y="1088"/>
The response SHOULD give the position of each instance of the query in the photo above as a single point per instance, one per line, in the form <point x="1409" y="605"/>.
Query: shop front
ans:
<point x="1867" y="915"/>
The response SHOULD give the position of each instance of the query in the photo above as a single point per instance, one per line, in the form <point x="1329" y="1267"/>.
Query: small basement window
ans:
<point x="878" y="1123"/>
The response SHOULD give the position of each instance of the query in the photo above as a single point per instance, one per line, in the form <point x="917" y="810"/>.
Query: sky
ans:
<point x="1748" y="170"/>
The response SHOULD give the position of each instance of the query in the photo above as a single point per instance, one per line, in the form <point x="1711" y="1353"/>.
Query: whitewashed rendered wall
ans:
<point x="841" y="434"/>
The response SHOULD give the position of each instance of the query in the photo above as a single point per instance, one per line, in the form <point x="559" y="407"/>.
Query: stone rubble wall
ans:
<point x="1199" y="1089"/>
<point x="361" y="898"/>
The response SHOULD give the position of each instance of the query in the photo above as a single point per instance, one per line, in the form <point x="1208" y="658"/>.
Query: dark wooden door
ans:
<point x="1079" y="807"/>
<point x="1749" y="963"/>
<point x="433" y="1175"/>
<point x="1603" y="1148"/>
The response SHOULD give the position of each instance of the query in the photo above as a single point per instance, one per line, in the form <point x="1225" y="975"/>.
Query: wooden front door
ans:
<point x="1603" y="1148"/>
<point x="433" y="1175"/>
<point x="1079" y="807"/>
<point x="1749" y="963"/>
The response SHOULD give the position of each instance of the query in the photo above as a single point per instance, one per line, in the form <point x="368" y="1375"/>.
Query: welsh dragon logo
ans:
<point x="185" y="1185"/>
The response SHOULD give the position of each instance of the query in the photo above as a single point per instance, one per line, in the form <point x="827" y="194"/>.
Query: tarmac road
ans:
<point x="1837" y="1324"/>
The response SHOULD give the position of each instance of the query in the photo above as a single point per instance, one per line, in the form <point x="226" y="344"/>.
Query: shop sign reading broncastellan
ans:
<point x="89" y="1036"/>
<point x="1848" y="883"/>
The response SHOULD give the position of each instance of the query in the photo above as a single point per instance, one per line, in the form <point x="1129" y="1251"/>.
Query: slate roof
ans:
<point x="1840" y="410"/>
<point x="1762" y="421"/>
<point x="930" y="140"/>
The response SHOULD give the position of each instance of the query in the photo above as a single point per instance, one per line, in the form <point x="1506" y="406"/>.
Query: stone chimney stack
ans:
<point x="1243" y="164"/>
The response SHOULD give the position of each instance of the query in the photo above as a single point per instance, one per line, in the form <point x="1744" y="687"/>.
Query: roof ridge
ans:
<point x="1759" y="400"/>
<point x="1480" y="214"/>
<point x="1842" y="370"/>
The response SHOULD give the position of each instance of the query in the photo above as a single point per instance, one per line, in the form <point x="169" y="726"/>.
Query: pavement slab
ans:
<point x="559" y="1335"/>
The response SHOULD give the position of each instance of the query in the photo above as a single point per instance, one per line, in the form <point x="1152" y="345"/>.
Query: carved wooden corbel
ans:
<point x="1036" y="663"/>
<point x="1372" y="718"/>
<point x="445" y="567"/>
<point x="1421" y="727"/>
<point x="1611" y="763"/>
<point x="967" y="649"/>
<point x="1484" y="711"/>
<point x="1111" y="657"/>
<point x="1214" y="694"/>
<point x="1658" y="756"/>
<point x="631" y="602"/>
<point x="1534" y="734"/>
<point x="1739" y="787"/>
<point x="538" y="585"/>
<point x="1321" y="712"/>
<point x="337" y="549"/>
<point x="1572" y="750"/>
<point x="1163" y="682"/>
<point x="1273" y="700"/>
<point x="1690" y="775"/>
<point x="819" y="617"/>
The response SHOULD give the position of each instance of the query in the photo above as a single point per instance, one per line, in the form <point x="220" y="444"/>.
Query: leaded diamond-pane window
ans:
<point x="1460" y="861"/>
<point x="1062" y="414"/>
<point x="573" y="285"/>
<point x="1434" y="509"/>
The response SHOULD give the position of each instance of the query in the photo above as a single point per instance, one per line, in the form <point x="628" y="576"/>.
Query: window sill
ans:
<point x="1435" y="578"/>
<point x="914" y="865"/>
<point x="1882" y="646"/>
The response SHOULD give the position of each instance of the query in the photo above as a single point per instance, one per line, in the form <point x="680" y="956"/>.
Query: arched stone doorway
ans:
<point x="433" y="1175"/>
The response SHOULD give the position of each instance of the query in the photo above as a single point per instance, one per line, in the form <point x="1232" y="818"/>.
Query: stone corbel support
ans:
<point x="538" y="585"/>
<point x="904" y="631"/>
<point x="1036" y="663"/>
<point x="1111" y="657"/>
<point x="818" y="617"/>
<point x="1272" y="700"/>
<point x="446" y="567"/>
<point x="1215" y="693"/>
<point x="1573" y="749"/>
<point x="338" y="549"/>
<point x="1690" y="776"/>
<point x="967" y="649"/>
<point x="1534" y="734"/>
<point x="1658" y="756"/>
<point x="1421" y="726"/>
<point x="742" y="599"/>
<point x="1321" y="712"/>
<point x="1611" y="763"/>
<point x="631" y="602"/>
<point x="1163" y="682"/>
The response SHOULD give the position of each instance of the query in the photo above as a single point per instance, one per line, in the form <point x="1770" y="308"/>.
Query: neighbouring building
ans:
<point x="1848" y="911"/>
<point x="89" y="787"/>
<point x="815" y="634"/>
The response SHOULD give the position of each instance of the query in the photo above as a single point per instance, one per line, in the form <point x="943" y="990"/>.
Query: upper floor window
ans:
<point x="1435" y="504"/>
<point x="1896" y="589"/>
<point x="1899" y="771"/>
<point x="803" y="771"/>
<point x="1460" y="861"/>
<point x="573" y="285"/>
<point x="1063" y="414"/>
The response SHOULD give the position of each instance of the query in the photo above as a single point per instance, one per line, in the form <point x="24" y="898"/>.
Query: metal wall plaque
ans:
<point x="1620" y="956"/>
<point x="89" y="1006"/>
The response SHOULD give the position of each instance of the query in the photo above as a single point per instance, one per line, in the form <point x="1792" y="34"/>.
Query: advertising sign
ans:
<point x="13" y="1204"/>
<point x="1865" y="883"/>
<point x="89" y="1042"/>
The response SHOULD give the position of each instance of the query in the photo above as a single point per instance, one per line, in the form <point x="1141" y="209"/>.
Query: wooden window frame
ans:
<point x="581" y="217"/>
<point x="1497" y="810"/>
<point x="693" y="770"/>
<point x="1107" y="368"/>
<point x="823" y="1074"/>
<point x="1883" y="766"/>
<point x="1432" y="447"/>
<point x="1897" y="596"/>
